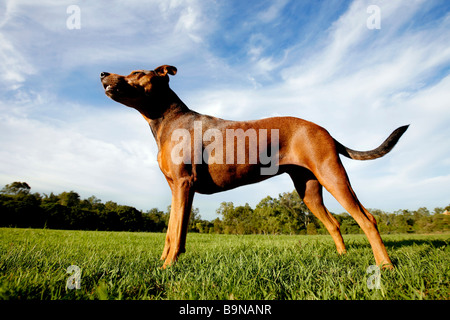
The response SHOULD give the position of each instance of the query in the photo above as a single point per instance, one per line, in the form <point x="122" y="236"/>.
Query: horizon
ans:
<point x="374" y="211"/>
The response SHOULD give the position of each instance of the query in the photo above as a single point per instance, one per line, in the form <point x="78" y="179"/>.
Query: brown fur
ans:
<point x="306" y="152"/>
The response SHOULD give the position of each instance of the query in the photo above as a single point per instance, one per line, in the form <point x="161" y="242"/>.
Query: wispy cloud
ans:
<point x="273" y="12"/>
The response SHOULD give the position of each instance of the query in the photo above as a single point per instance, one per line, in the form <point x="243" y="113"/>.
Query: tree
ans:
<point x="21" y="210"/>
<point x="69" y="199"/>
<point x="236" y="220"/>
<point x="441" y="223"/>
<point x="56" y="215"/>
<point x="155" y="220"/>
<point x="111" y="206"/>
<point x="311" y="229"/>
<point x="194" y="220"/>
<point x="348" y="224"/>
<point x="268" y="212"/>
<point x="217" y="226"/>
<point x="130" y="218"/>
<point x="286" y="214"/>
<point x="92" y="203"/>
<point x="16" y="188"/>
<point x="243" y="219"/>
<point x="229" y="219"/>
<point x="19" y="207"/>
<point x="294" y="213"/>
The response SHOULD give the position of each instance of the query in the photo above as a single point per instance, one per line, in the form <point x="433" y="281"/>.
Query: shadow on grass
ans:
<point x="436" y="243"/>
<point x="395" y="244"/>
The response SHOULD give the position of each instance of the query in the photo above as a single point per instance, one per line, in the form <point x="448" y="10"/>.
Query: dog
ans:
<point x="302" y="149"/>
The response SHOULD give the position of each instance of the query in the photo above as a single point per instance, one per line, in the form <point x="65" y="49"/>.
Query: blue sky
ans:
<point x="315" y="60"/>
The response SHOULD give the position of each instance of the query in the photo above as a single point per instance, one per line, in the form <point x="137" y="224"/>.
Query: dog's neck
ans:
<point x="168" y="108"/>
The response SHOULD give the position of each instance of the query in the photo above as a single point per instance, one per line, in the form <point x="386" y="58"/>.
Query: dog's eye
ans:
<point x="136" y="72"/>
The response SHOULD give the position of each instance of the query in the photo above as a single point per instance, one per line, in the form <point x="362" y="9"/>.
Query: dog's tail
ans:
<point x="384" y="148"/>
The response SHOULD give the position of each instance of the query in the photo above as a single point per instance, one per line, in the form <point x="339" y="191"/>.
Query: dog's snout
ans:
<point x="104" y="74"/>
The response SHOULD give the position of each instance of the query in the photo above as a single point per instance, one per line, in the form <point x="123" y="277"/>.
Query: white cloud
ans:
<point x="96" y="152"/>
<point x="273" y="12"/>
<point x="111" y="33"/>
<point x="13" y="67"/>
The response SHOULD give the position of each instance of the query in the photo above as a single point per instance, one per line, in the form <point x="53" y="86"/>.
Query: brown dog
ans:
<point x="198" y="153"/>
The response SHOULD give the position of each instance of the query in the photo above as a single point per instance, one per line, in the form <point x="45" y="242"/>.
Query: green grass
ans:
<point x="122" y="265"/>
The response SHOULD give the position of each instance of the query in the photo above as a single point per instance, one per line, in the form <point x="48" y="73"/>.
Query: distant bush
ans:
<point x="286" y="214"/>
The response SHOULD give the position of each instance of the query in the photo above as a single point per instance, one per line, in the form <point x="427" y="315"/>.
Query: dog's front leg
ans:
<point x="166" y="245"/>
<point x="182" y="197"/>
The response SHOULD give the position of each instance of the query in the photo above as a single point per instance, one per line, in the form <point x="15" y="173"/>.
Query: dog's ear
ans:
<point x="165" y="69"/>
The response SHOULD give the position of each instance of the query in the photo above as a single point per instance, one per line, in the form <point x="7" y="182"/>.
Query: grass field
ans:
<point x="122" y="265"/>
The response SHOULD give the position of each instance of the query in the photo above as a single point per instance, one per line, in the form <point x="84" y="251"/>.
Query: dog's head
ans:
<point x="140" y="89"/>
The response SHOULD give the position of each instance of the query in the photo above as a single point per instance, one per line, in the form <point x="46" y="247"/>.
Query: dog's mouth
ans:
<point x="118" y="89"/>
<point x="108" y="88"/>
<point x="111" y="89"/>
<point x="120" y="92"/>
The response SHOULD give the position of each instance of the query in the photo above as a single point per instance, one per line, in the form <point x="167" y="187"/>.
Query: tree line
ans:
<point x="286" y="214"/>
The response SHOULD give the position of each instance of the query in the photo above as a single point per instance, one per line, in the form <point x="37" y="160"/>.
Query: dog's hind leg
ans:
<point x="310" y="190"/>
<point x="332" y="175"/>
